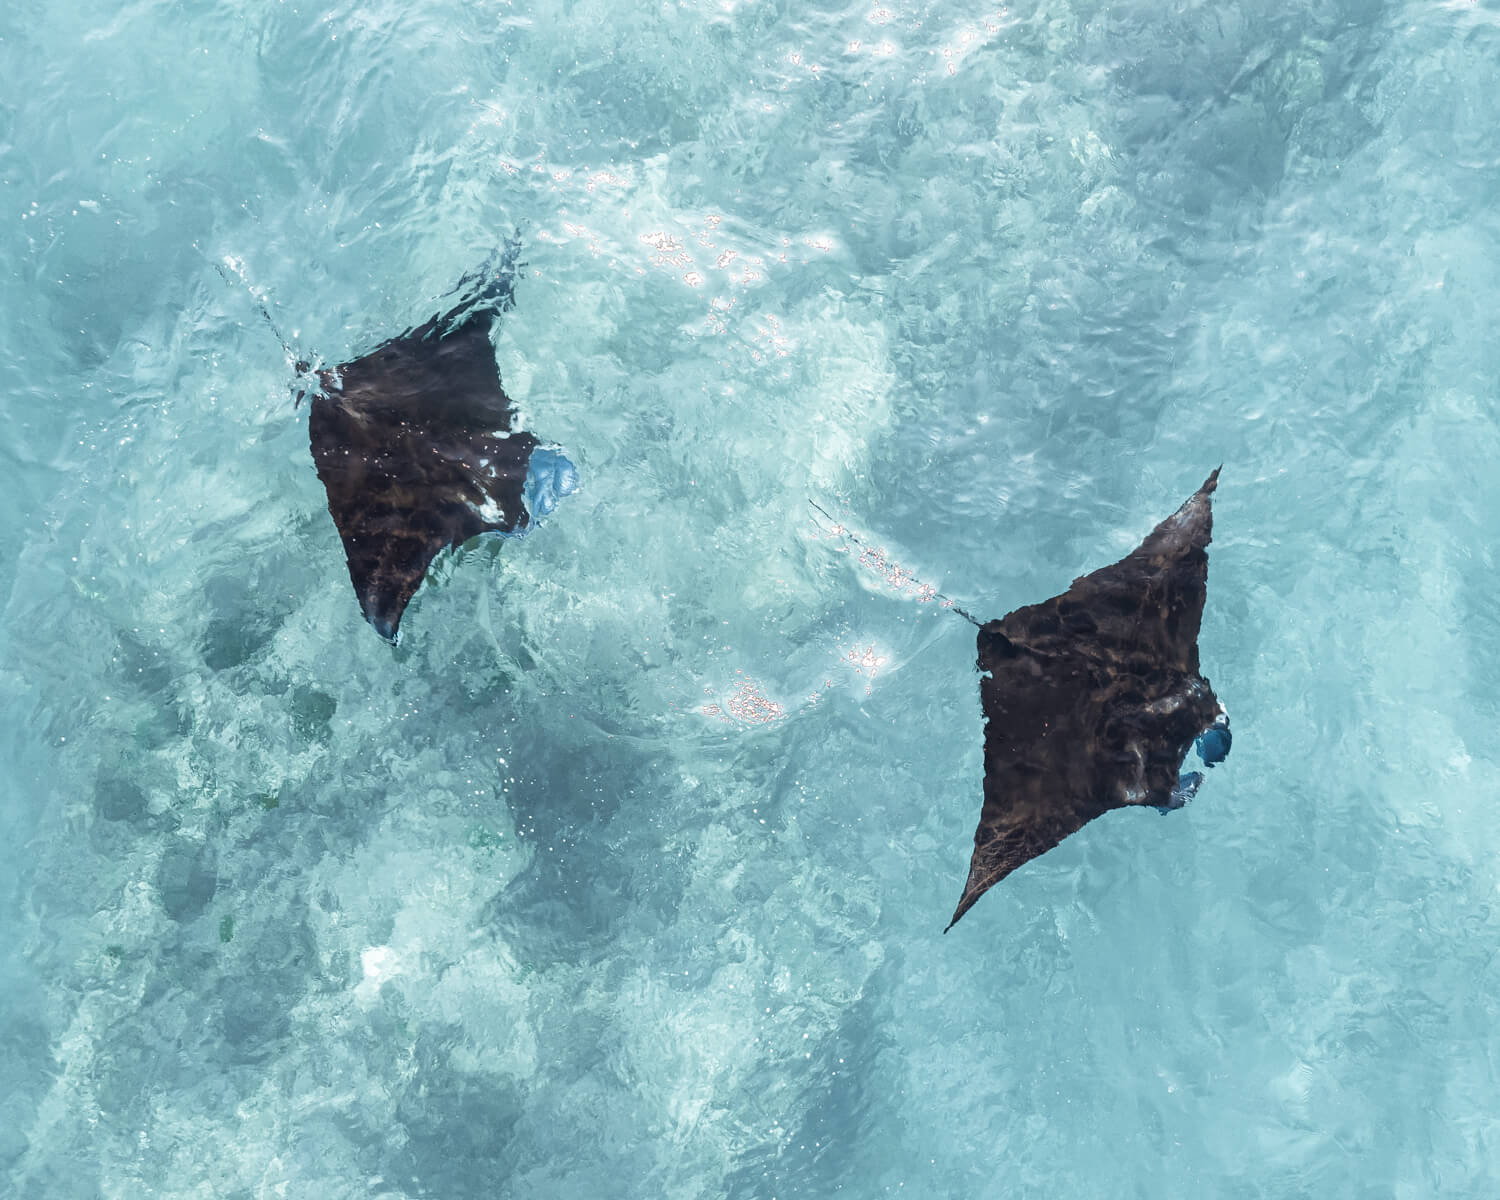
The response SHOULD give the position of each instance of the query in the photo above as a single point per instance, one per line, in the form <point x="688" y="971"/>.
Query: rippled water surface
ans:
<point x="624" y="875"/>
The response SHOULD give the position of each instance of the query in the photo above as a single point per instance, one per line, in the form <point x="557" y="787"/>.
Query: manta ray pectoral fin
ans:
<point x="483" y="293"/>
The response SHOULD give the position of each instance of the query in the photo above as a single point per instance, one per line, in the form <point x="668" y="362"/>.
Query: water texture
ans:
<point x="624" y="875"/>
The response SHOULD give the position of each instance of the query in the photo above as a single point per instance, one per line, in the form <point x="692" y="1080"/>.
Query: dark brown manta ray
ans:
<point x="1093" y="698"/>
<point x="415" y="446"/>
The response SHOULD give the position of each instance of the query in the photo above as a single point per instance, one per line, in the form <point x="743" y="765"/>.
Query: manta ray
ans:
<point x="417" y="446"/>
<point x="1093" y="699"/>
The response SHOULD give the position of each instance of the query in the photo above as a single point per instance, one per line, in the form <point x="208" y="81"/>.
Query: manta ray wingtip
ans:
<point x="389" y="632"/>
<point x="965" y="902"/>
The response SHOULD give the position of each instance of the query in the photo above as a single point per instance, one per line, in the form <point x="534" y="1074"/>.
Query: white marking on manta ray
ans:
<point x="488" y="512"/>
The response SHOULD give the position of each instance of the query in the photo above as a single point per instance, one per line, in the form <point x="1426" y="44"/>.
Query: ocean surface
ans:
<point x="624" y="875"/>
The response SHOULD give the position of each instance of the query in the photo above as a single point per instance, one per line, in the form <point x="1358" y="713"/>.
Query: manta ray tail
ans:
<point x="301" y="361"/>
<point x="928" y="591"/>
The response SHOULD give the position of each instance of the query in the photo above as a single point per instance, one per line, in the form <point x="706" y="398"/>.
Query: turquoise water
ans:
<point x="624" y="875"/>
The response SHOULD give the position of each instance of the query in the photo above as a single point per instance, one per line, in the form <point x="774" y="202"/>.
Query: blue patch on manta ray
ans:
<point x="550" y="475"/>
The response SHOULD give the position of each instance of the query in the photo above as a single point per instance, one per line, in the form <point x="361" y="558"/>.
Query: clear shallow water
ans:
<point x="581" y="891"/>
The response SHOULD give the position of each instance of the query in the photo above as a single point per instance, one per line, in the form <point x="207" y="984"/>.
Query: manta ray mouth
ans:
<point x="1211" y="748"/>
<point x="550" y="475"/>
